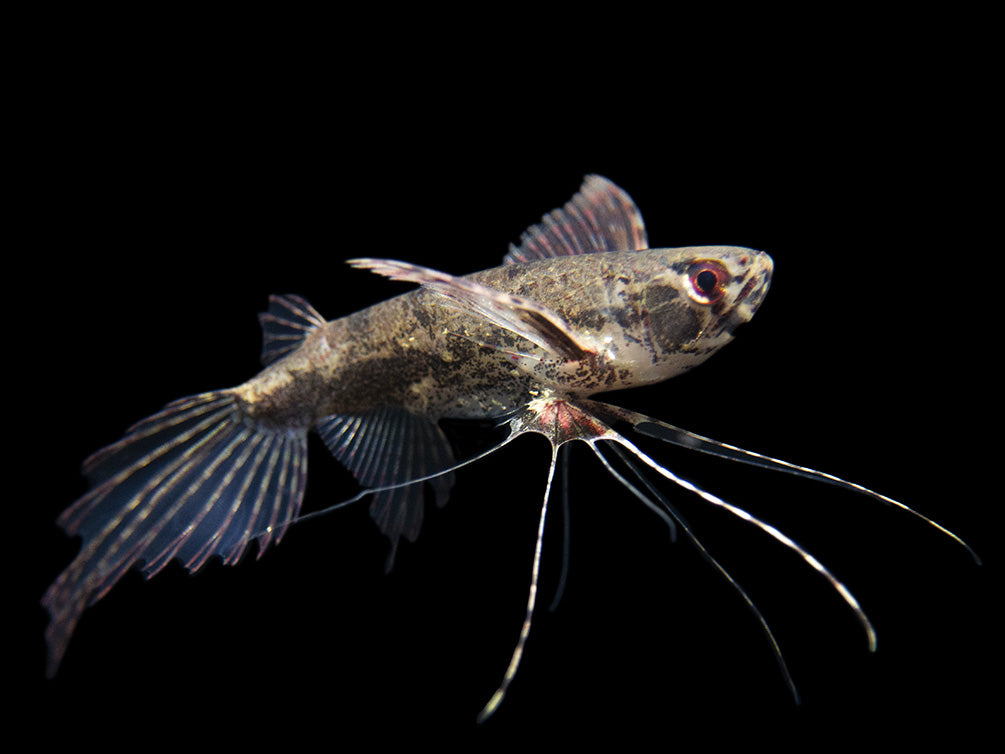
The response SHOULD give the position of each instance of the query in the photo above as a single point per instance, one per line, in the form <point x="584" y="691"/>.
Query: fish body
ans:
<point x="635" y="320"/>
<point x="581" y="307"/>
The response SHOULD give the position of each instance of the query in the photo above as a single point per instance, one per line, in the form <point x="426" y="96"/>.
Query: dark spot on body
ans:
<point x="658" y="295"/>
<point x="673" y="325"/>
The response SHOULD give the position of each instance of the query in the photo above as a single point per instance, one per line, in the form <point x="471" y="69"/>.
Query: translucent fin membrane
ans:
<point x="601" y="217"/>
<point x="197" y="479"/>
<point x="383" y="448"/>
<point x="285" y="325"/>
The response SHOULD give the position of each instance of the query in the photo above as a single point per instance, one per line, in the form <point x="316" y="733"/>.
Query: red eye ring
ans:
<point x="707" y="280"/>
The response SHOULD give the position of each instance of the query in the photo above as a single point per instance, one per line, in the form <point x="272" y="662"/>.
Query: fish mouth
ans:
<point x="754" y="288"/>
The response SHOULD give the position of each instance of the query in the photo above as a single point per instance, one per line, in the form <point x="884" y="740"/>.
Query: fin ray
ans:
<point x="767" y="528"/>
<point x="287" y="322"/>
<point x="518" y="314"/>
<point x="514" y="664"/>
<point x="175" y="487"/>
<point x="660" y="430"/>
<point x="383" y="448"/>
<point x="600" y="217"/>
<point x="671" y="511"/>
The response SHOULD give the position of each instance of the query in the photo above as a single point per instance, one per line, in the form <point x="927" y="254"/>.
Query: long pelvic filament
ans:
<point x="815" y="564"/>
<point x="701" y="548"/>
<point x="669" y="433"/>
<point x="514" y="662"/>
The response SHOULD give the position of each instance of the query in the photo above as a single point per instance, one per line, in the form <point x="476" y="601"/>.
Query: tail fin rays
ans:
<point x="176" y="486"/>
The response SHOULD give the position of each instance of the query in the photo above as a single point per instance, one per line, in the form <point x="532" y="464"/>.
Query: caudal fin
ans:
<point x="198" y="479"/>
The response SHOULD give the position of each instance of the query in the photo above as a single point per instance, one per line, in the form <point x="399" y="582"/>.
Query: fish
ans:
<point x="580" y="307"/>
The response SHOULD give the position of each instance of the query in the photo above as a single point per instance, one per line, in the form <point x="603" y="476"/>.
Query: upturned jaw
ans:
<point x="755" y="286"/>
<point x="761" y="278"/>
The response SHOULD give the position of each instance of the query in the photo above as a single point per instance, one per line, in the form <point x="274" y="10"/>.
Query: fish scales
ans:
<point x="581" y="307"/>
<point x="406" y="351"/>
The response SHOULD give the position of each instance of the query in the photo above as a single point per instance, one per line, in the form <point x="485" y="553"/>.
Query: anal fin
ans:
<point x="389" y="446"/>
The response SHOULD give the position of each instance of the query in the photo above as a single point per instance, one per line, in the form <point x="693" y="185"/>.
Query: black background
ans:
<point x="172" y="187"/>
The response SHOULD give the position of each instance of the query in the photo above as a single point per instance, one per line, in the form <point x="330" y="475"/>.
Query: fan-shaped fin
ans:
<point x="601" y="217"/>
<point x="386" y="446"/>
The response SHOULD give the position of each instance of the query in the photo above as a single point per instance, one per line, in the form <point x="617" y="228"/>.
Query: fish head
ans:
<point x="723" y="285"/>
<point x="689" y="302"/>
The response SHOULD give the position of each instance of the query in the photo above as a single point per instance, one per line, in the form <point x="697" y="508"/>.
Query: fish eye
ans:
<point x="707" y="280"/>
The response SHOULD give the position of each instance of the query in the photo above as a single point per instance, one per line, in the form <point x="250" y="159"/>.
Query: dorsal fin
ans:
<point x="284" y="326"/>
<point x="601" y="217"/>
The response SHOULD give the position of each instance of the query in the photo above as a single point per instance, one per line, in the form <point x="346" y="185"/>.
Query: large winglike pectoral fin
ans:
<point x="518" y="314"/>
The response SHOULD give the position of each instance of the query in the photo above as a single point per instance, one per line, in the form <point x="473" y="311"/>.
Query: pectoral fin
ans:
<point x="518" y="314"/>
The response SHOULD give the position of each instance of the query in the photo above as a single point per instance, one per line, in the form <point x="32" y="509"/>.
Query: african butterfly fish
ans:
<point x="582" y="306"/>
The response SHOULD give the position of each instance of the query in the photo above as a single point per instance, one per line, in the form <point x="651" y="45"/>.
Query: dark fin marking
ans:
<point x="518" y="314"/>
<point x="675" y="435"/>
<point x="197" y="479"/>
<point x="600" y="217"/>
<point x="285" y="325"/>
<point x="387" y="447"/>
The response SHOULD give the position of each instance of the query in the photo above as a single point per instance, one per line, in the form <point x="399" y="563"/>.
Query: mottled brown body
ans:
<point x="581" y="306"/>
<point x="420" y="352"/>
